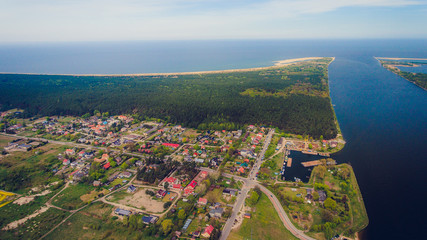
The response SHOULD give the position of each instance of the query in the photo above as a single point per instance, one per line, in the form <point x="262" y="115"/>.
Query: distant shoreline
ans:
<point x="277" y="64"/>
<point x="388" y="58"/>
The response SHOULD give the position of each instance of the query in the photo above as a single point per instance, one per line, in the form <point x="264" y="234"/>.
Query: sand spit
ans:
<point x="277" y="64"/>
<point x="397" y="59"/>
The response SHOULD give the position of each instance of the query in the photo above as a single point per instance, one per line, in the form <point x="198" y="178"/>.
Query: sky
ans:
<point x="118" y="20"/>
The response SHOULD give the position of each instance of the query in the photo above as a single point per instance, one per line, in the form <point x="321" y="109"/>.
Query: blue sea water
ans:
<point x="382" y="116"/>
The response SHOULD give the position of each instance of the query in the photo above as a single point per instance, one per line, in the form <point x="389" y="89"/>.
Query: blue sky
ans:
<point x="112" y="20"/>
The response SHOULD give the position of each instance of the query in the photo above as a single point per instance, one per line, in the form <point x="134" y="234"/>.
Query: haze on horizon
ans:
<point x="112" y="20"/>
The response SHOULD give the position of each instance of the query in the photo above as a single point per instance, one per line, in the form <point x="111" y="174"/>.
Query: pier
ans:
<point x="289" y="163"/>
<point x="311" y="163"/>
<point x="318" y="162"/>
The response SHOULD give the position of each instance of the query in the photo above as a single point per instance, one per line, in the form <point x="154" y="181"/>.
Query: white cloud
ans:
<point x="162" y="19"/>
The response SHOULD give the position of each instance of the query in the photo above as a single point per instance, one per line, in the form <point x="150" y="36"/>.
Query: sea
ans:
<point x="382" y="116"/>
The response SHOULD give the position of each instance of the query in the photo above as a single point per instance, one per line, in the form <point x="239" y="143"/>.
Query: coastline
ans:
<point x="388" y="58"/>
<point x="394" y="69"/>
<point x="339" y="137"/>
<point x="277" y="64"/>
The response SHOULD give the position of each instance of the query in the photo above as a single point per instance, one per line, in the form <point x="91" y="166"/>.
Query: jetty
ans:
<point x="318" y="162"/>
<point x="289" y="163"/>
<point x="324" y="154"/>
<point x="311" y="163"/>
<point x="309" y="152"/>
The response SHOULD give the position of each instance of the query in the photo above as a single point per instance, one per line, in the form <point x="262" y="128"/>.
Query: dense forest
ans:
<point x="302" y="107"/>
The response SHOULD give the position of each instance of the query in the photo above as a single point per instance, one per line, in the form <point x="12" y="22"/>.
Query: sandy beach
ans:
<point x="397" y="59"/>
<point x="277" y="64"/>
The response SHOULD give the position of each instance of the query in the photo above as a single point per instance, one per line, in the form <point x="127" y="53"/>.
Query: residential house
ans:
<point x="122" y="212"/>
<point x="202" y="201"/>
<point x="230" y="191"/>
<point x="149" y="219"/>
<point x="216" y="213"/>
<point x="125" y="175"/>
<point x="161" y="193"/>
<point x="70" y="152"/>
<point x="208" y="231"/>
<point x="131" y="189"/>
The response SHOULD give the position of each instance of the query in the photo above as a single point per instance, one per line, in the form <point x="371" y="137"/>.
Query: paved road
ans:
<point x="248" y="184"/>
<point x="283" y="216"/>
<point x="78" y="145"/>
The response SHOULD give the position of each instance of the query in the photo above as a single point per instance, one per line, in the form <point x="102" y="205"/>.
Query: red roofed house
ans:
<point x="171" y="181"/>
<point x="188" y="191"/>
<point x="177" y="186"/>
<point x="202" y="201"/>
<point x="202" y="175"/>
<point x="81" y="153"/>
<point x="190" y="188"/>
<point x="124" y="118"/>
<point x="192" y="184"/>
<point x="208" y="231"/>
<point x="70" y="151"/>
<point x="242" y="170"/>
<point x="107" y="166"/>
<point x="173" y="145"/>
<point x="104" y="158"/>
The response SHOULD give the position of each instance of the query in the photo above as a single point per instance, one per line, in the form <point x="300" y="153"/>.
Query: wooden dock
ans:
<point x="309" y="152"/>
<point x="317" y="162"/>
<point x="311" y="163"/>
<point x="289" y="163"/>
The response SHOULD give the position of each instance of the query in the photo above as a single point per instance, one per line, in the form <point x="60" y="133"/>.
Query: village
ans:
<point x="151" y="169"/>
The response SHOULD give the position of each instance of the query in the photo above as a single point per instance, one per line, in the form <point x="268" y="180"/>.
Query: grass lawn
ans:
<point x="264" y="224"/>
<point x="70" y="197"/>
<point x="117" y="196"/>
<point x="358" y="210"/>
<point x="4" y="140"/>
<point x="36" y="227"/>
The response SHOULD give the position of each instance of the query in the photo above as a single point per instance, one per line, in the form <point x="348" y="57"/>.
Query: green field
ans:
<point x="12" y="211"/>
<point x="70" y="197"/>
<point x="20" y="171"/>
<point x="264" y="224"/>
<point x="36" y="227"/>
<point x="95" y="222"/>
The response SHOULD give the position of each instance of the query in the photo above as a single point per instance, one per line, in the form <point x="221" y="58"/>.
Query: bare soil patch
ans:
<point x="27" y="199"/>
<point x="143" y="201"/>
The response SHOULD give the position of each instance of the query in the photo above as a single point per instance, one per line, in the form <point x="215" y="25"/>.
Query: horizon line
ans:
<point x="277" y="64"/>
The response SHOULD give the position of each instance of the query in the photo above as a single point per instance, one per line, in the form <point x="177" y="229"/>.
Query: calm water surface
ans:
<point x="382" y="116"/>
